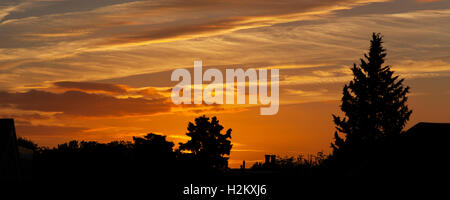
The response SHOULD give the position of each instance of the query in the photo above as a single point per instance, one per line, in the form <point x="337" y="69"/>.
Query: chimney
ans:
<point x="273" y="159"/>
<point x="267" y="159"/>
<point x="243" y="164"/>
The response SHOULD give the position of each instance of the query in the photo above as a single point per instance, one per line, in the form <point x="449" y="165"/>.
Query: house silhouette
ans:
<point x="433" y="129"/>
<point x="9" y="156"/>
<point x="424" y="149"/>
<point x="15" y="160"/>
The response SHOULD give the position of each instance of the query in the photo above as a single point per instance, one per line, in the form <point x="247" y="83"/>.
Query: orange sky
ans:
<point x="100" y="70"/>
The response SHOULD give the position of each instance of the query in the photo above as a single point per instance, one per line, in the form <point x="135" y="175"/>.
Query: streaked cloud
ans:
<point x="48" y="131"/>
<point x="92" y="86"/>
<point x="426" y="1"/>
<point x="144" y="22"/>
<point x="102" y="68"/>
<point x="77" y="103"/>
<point x="324" y="40"/>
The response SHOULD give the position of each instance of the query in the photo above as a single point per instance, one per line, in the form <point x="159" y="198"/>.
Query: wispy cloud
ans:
<point x="81" y="45"/>
<point x="92" y="86"/>
<point x="77" y="103"/>
<point x="426" y="1"/>
<point x="145" y="22"/>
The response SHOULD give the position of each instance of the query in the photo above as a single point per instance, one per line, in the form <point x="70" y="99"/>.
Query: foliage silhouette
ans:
<point x="303" y="165"/>
<point x="27" y="143"/>
<point x="207" y="145"/>
<point x="153" y="144"/>
<point x="375" y="108"/>
<point x="153" y="151"/>
<point x="149" y="156"/>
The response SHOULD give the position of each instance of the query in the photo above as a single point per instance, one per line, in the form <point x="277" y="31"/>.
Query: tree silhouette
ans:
<point x="374" y="103"/>
<point x="153" y="153"/>
<point x="153" y="146"/>
<point x="207" y="144"/>
<point x="27" y="143"/>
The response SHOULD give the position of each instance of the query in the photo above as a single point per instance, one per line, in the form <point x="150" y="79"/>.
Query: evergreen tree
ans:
<point x="374" y="103"/>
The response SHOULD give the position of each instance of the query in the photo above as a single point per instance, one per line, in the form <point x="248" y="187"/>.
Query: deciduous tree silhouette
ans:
<point x="374" y="103"/>
<point x="27" y="143"/>
<point x="153" y="147"/>
<point x="207" y="144"/>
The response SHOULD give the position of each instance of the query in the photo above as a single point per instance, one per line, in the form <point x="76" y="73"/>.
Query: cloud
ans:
<point x="144" y="22"/>
<point x="418" y="34"/>
<point x="8" y="7"/>
<point x="44" y="130"/>
<point x="26" y="116"/>
<point x="49" y="135"/>
<point x="307" y="79"/>
<point x="92" y="86"/>
<point x="77" y="103"/>
<point x="426" y="1"/>
<point x="422" y="66"/>
<point x="202" y="18"/>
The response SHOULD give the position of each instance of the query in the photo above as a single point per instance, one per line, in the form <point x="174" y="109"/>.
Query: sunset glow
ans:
<point x="101" y="70"/>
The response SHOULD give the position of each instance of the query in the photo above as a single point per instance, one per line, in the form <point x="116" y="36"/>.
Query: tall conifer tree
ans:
<point x="374" y="103"/>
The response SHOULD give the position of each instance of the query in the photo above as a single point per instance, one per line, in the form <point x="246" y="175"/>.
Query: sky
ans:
<point x="100" y="70"/>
